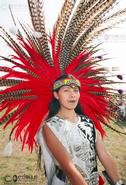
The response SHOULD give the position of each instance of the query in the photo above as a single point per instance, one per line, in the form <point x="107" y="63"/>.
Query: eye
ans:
<point x="66" y="90"/>
<point x="76" y="90"/>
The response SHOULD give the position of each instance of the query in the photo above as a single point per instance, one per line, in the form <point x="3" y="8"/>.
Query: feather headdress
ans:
<point x="41" y="58"/>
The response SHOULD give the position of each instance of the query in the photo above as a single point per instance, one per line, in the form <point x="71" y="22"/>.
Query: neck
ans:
<point x="67" y="114"/>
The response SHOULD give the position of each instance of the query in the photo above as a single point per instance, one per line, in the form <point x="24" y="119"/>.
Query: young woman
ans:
<point x="70" y="142"/>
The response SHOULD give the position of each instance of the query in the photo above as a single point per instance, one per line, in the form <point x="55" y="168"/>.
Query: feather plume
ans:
<point x="35" y="66"/>
<point x="7" y="152"/>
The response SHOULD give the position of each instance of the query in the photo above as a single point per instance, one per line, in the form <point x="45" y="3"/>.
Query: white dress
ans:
<point x="79" y="140"/>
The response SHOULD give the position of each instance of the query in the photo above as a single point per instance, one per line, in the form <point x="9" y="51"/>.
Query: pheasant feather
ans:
<point x="35" y="7"/>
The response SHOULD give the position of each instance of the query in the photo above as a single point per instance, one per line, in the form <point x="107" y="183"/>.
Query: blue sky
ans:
<point x="114" y="42"/>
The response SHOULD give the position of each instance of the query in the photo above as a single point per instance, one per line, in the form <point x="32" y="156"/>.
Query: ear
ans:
<point x="55" y="94"/>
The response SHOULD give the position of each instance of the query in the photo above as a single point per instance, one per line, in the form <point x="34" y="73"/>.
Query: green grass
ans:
<point x="115" y="143"/>
<point x="23" y="165"/>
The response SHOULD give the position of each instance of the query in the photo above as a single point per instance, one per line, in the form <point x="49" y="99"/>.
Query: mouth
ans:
<point x="72" y="101"/>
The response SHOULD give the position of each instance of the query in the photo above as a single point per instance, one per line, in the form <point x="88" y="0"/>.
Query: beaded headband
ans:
<point x="66" y="82"/>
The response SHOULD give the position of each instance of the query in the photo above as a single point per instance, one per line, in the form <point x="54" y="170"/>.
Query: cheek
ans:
<point x="78" y="96"/>
<point x="63" y="98"/>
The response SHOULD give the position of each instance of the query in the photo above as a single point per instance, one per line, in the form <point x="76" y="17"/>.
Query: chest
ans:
<point x="78" y="137"/>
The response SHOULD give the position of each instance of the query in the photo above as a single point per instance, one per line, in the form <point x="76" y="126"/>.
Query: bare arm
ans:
<point x="107" y="160"/>
<point x="63" y="157"/>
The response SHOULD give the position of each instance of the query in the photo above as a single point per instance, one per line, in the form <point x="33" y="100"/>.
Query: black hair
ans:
<point x="55" y="105"/>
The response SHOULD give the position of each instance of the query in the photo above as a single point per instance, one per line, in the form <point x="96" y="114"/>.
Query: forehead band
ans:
<point x="66" y="82"/>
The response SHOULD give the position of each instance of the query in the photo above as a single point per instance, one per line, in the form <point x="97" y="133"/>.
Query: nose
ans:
<point x="72" y="93"/>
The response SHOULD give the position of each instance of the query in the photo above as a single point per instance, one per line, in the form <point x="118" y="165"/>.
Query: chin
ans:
<point x="71" y="107"/>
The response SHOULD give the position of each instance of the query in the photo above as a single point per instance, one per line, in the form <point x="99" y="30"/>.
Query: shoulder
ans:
<point x="86" y="119"/>
<point x="53" y="132"/>
<point x="54" y="122"/>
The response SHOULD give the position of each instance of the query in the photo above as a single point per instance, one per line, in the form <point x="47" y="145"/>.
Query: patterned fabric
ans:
<point x="69" y="82"/>
<point x="78" y="139"/>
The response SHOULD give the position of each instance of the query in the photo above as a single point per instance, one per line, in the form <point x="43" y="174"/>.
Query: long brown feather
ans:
<point x="11" y="42"/>
<point x="8" y="117"/>
<point x="98" y="26"/>
<point x="87" y="17"/>
<point x="14" y="95"/>
<point x="31" y="37"/>
<point x="9" y="82"/>
<point x="35" y="8"/>
<point x="16" y="64"/>
<point x="73" y="30"/>
<point x="62" y="21"/>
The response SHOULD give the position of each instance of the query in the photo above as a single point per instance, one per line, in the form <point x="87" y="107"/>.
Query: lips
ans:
<point x="72" y="101"/>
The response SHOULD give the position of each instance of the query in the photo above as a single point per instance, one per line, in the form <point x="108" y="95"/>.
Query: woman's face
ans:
<point x="68" y="97"/>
